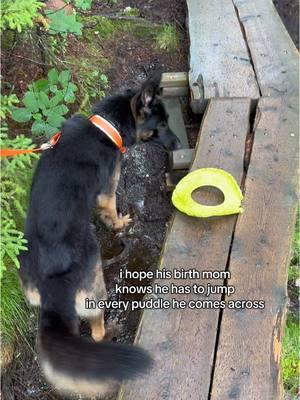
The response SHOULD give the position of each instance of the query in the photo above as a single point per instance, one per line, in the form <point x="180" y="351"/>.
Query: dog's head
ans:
<point x="151" y="117"/>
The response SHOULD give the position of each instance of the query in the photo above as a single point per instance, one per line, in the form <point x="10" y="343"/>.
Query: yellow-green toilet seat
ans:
<point x="222" y="180"/>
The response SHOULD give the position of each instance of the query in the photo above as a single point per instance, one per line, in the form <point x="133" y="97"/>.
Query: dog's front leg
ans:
<point x="108" y="212"/>
<point x="107" y="204"/>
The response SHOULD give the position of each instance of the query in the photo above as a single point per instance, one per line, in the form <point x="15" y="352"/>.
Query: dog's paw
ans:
<point x="122" y="222"/>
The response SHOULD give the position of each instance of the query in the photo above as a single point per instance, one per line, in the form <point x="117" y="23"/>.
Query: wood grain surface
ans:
<point x="220" y="64"/>
<point x="274" y="55"/>
<point x="182" y="341"/>
<point x="248" y="356"/>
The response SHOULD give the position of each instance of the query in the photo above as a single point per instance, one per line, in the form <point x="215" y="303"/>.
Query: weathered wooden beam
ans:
<point x="174" y="79"/>
<point x="182" y="341"/>
<point x="175" y="91"/>
<point x="248" y="356"/>
<point x="176" y="122"/>
<point x="220" y="64"/>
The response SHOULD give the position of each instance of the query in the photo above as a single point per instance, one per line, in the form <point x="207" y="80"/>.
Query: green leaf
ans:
<point x="37" y="116"/>
<point x="53" y="76"/>
<point x="38" y="127"/>
<point x="62" y="23"/>
<point x="53" y="88"/>
<point x="31" y="102"/>
<point x="41" y="85"/>
<point x="55" y="120"/>
<point x="60" y="109"/>
<point x="64" y="77"/>
<point x="69" y="95"/>
<point x="21" y="114"/>
<point x="44" y="100"/>
<point x="50" y="130"/>
<point x="56" y="99"/>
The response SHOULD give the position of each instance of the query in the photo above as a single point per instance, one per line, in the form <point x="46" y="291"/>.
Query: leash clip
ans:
<point x="52" y="142"/>
<point x="46" y="146"/>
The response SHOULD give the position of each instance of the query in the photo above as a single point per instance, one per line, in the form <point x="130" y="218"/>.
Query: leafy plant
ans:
<point x="44" y="102"/>
<point x="62" y="23"/>
<point x="18" y="14"/>
<point x="91" y="81"/>
<point x="14" y="176"/>
<point x="7" y="102"/>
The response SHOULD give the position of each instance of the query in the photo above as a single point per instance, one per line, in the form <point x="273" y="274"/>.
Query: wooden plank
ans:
<point x="182" y="342"/>
<point x="174" y="79"/>
<point x="220" y="65"/>
<point x="248" y="357"/>
<point x="175" y="91"/>
<point x="176" y="122"/>
<point x="275" y="57"/>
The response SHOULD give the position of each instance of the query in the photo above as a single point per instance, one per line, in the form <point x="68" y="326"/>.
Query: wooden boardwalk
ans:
<point x="250" y="128"/>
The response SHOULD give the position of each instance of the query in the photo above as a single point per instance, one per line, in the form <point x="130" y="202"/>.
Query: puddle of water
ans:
<point x="142" y="193"/>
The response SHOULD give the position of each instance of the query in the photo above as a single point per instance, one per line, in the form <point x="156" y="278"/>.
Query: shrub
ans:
<point x="18" y="14"/>
<point x="44" y="103"/>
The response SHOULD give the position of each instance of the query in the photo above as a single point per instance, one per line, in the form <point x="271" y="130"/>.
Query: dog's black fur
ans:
<point x="63" y="254"/>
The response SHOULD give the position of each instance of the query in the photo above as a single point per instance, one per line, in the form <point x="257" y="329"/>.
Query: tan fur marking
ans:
<point x="107" y="204"/>
<point x="97" y="327"/>
<point x="33" y="296"/>
<point x="67" y="384"/>
<point x="96" y="291"/>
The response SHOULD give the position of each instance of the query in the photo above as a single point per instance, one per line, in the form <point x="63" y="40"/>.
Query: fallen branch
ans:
<point x="31" y="60"/>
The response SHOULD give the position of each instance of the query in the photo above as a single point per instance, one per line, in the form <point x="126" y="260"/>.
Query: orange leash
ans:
<point x="111" y="132"/>
<point x="14" y="152"/>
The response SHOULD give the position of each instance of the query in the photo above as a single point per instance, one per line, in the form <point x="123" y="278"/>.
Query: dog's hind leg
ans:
<point x="97" y="327"/>
<point x="107" y="204"/>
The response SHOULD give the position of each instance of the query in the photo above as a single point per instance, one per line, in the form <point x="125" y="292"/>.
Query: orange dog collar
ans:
<point x="96" y="120"/>
<point x="109" y="130"/>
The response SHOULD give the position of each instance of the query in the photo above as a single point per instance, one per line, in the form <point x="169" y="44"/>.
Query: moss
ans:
<point x="167" y="38"/>
<point x="131" y="11"/>
<point x="105" y="28"/>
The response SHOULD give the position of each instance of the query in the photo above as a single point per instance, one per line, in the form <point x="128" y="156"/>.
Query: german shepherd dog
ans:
<point x="62" y="266"/>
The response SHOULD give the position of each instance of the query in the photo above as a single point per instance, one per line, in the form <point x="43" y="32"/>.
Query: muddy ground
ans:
<point x="142" y="190"/>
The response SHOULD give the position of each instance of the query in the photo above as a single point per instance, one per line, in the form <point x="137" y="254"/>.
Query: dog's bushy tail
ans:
<point x="75" y="364"/>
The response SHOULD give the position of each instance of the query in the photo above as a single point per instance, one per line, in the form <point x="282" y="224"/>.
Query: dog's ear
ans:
<point x="148" y="92"/>
<point x="150" y="88"/>
<point x="141" y="101"/>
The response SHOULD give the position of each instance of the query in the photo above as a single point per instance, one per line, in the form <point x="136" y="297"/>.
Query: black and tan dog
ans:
<point x="62" y="266"/>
